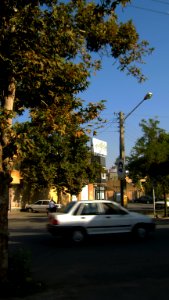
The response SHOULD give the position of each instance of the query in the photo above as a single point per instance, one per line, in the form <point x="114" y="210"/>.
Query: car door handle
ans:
<point x="108" y="217"/>
<point x="83" y="217"/>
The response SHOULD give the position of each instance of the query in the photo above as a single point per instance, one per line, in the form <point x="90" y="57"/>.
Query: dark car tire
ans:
<point x="78" y="235"/>
<point x="159" y="206"/>
<point x="30" y="209"/>
<point x="140" y="232"/>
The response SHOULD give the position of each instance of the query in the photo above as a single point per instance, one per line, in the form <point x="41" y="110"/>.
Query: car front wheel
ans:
<point x="159" y="206"/>
<point x="140" y="232"/>
<point x="78" y="235"/>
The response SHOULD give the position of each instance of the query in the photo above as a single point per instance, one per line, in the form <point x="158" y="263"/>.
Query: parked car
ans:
<point x="160" y="204"/>
<point x="40" y="206"/>
<point x="97" y="217"/>
<point x="144" y="199"/>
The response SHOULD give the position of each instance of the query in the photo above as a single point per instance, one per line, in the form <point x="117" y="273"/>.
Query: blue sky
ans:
<point x="123" y="93"/>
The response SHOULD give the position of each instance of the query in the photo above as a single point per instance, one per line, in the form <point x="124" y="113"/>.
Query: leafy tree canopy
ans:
<point x="56" y="160"/>
<point x="46" y="56"/>
<point x="47" y="48"/>
<point x="150" y="156"/>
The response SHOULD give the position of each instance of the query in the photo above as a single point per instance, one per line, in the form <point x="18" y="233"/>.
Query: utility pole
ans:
<point x="122" y="156"/>
<point x="121" y="163"/>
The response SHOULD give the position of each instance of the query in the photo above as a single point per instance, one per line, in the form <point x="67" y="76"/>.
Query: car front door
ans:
<point x="115" y="219"/>
<point x="37" y="205"/>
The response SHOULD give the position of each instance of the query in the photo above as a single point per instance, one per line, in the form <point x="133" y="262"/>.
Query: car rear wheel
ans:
<point x="78" y="235"/>
<point x="140" y="232"/>
<point x="30" y="209"/>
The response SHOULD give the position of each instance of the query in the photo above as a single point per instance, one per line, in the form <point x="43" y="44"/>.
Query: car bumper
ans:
<point x="151" y="227"/>
<point x="58" y="230"/>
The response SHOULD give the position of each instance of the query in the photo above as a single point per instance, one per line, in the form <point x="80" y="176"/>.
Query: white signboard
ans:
<point x="99" y="147"/>
<point x="84" y="193"/>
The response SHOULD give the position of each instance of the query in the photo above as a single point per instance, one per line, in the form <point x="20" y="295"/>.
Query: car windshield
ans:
<point x="68" y="207"/>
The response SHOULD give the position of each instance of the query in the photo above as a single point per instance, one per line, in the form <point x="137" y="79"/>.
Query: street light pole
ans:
<point x="147" y="97"/>
<point x="122" y="155"/>
<point x="122" y="119"/>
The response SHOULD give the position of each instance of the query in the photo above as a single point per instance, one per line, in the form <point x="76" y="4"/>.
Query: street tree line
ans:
<point x="149" y="159"/>
<point x="46" y="61"/>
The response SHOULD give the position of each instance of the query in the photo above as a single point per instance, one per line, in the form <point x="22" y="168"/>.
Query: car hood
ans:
<point x="140" y="216"/>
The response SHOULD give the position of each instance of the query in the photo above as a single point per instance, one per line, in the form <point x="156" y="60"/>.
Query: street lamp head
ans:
<point x="148" y="96"/>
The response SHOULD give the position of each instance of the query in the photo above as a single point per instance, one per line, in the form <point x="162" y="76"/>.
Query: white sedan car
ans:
<point x="40" y="206"/>
<point x="97" y="217"/>
<point x="160" y="204"/>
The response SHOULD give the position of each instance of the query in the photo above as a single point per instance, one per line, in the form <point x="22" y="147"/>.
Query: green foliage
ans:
<point x="150" y="157"/>
<point x="41" y="56"/>
<point x="20" y="282"/>
<point x="20" y="266"/>
<point x="59" y="160"/>
<point x="51" y="60"/>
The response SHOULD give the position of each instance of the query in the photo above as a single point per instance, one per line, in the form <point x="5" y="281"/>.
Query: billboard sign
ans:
<point x="99" y="147"/>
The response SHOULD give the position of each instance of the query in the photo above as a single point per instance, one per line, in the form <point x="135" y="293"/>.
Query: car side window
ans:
<point x="77" y="210"/>
<point x="45" y="202"/>
<point x="39" y="202"/>
<point x="111" y="209"/>
<point x="90" y="209"/>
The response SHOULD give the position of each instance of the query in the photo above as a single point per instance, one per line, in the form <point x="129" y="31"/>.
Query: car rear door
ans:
<point x="88" y="215"/>
<point x="45" y="205"/>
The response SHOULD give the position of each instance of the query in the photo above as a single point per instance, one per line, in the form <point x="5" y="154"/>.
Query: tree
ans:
<point x="46" y="59"/>
<point x="56" y="160"/>
<point x="149" y="157"/>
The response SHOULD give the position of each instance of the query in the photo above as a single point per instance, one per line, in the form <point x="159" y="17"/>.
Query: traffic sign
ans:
<point x="120" y="168"/>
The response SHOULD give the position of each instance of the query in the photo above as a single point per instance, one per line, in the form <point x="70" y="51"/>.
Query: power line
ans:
<point x="149" y="9"/>
<point x="163" y="2"/>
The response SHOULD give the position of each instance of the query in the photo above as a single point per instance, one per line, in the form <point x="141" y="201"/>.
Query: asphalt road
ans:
<point x="106" y="268"/>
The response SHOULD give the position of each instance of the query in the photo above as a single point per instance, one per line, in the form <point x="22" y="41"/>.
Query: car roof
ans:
<point x="95" y="200"/>
<point x="43" y="200"/>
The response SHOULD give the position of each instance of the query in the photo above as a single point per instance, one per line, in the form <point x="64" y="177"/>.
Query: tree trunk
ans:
<point x="4" y="200"/>
<point x="59" y="195"/>
<point x="5" y="177"/>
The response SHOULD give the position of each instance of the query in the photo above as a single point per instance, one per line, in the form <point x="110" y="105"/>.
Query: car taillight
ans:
<point x="54" y="222"/>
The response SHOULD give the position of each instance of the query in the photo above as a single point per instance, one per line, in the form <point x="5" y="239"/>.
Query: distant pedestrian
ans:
<point x="52" y="206"/>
